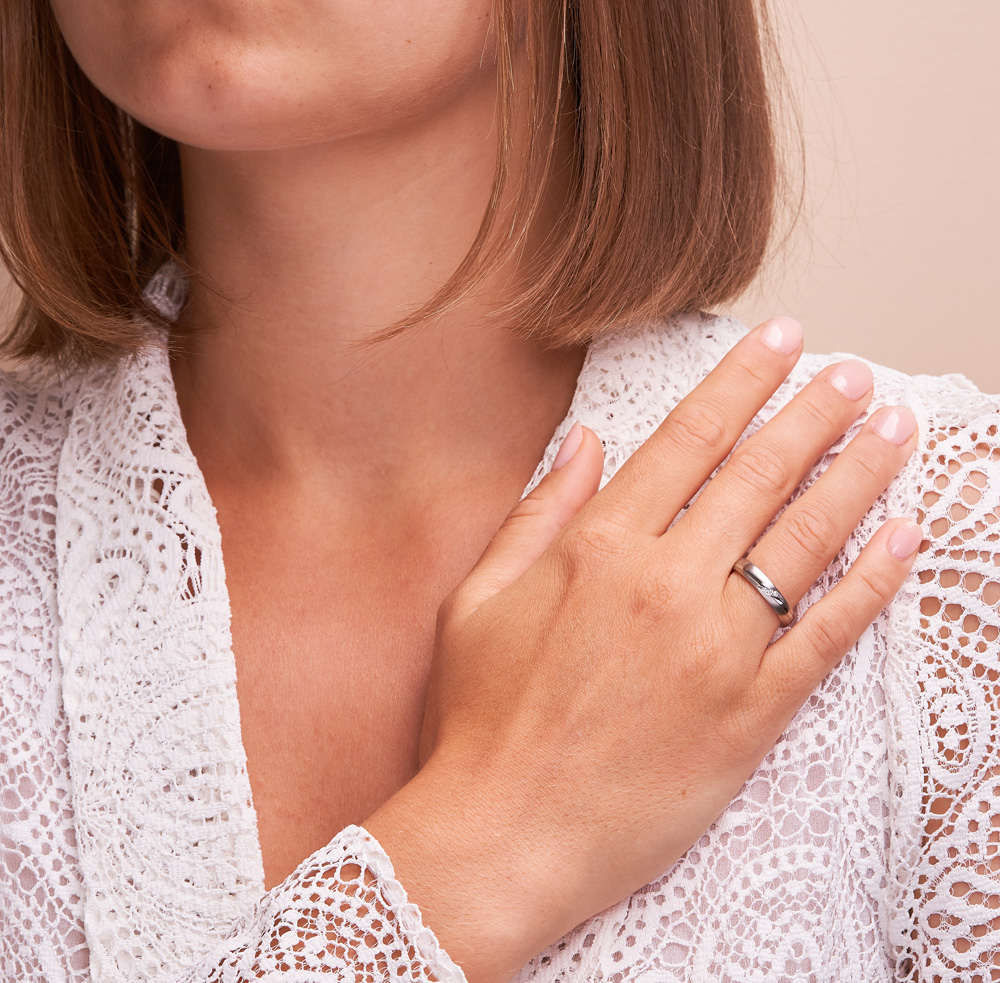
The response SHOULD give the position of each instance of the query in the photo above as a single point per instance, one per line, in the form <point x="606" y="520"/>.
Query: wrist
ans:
<point x="472" y="857"/>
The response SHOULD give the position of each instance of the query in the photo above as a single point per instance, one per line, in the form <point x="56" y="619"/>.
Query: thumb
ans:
<point x="535" y="520"/>
<point x="529" y="528"/>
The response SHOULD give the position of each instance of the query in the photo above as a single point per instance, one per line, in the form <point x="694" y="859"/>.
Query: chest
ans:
<point x="333" y="646"/>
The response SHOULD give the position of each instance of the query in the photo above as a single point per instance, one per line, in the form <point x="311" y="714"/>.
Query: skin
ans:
<point x="337" y="158"/>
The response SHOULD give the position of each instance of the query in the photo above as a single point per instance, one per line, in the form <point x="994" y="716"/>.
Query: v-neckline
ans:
<point x="166" y="829"/>
<point x="165" y="383"/>
<point x="160" y="379"/>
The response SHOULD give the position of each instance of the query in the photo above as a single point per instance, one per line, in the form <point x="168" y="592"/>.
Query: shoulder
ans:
<point x="687" y="347"/>
<point x="950" y="604"/>
<point x="34" y="408"/>
<point x="36" y="404"/>
<point x="951" y="484"/>
<point x="633" y="377"/>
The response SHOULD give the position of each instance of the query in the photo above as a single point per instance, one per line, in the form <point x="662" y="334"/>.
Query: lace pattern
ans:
<point x="293" y="927"/>
<point x="41" y="903"/>
<point x="866" y="846"/>
<point x="953" y="879"/>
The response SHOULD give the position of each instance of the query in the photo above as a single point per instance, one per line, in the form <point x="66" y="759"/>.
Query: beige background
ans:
<point x="897" y="256"/>
<point x="897" y="259"/>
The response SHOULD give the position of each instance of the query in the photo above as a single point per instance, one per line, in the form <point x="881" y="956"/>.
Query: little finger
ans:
<point x="794" y="665"/>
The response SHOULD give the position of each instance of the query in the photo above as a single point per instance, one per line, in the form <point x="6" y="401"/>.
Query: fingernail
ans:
<point x="905" y="540"/>
<point x="569" y="446"/>
<point x="852" y="378"/>
<point x="895" y="423"/>
<point x="782" y="334"/>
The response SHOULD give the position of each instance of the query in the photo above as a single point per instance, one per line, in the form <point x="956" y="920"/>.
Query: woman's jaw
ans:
<point x="267" y="74"/>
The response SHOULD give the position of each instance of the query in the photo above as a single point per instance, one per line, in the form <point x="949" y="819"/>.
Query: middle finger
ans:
<point x="741" y="500"/>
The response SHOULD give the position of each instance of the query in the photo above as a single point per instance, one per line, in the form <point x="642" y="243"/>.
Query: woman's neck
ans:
<point x="309" y="249"/>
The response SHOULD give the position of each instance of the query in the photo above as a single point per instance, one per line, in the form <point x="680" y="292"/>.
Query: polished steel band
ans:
<point x="770" y="593"/>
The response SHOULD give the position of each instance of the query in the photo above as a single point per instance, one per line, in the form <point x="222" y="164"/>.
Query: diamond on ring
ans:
<point x="765" y="587"/>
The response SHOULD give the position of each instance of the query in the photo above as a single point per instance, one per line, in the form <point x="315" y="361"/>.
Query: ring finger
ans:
<point x="810" y="531"/>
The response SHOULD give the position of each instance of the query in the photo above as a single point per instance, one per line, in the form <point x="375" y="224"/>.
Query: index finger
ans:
<point x="663" y="475"/>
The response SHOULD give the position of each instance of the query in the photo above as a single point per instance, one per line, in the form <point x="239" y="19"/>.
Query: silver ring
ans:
<point x="760" y="580"/>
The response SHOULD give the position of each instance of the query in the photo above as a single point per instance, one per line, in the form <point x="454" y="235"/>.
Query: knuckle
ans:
<point x="697" y="430"/>
<point x="762" y="470"/>
<point x="863" y="469"/>
<point x="829" y="634"/>
<point x="876" y="582"/>
<point x="812" y="530"/>
<point x="597" y="539"/>
<point x="818" y="416"/>
<point x="654" y="598"/>
<point x="756" y="375"/>
<point x="534" y="504"/>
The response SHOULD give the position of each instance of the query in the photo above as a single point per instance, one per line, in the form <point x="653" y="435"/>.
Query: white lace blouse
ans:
<point x="865" y="848"/>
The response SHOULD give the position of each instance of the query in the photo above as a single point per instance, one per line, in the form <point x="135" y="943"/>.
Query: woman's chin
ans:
<point x="232" y="75"/>
<point x="254" y="113"/>
<point x="237" y="124"/>
<point x="217" y="104"/>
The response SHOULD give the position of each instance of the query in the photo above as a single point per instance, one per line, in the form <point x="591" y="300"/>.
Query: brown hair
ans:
<point x="670" y="189"/>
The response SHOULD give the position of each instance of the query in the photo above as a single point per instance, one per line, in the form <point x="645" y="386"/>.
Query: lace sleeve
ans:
<point x="953" y="898"/>
<point x="340" y="914"/>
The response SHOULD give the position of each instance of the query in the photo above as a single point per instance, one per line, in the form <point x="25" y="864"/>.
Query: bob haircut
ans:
<point x="669" y="190"/>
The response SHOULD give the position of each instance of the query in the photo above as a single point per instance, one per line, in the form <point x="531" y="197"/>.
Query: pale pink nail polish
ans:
<point x="569" y="447"/>
<point x="905" y="540"/>
<point x="895" y="423"/>
<point x="782" y="334"/>
<point x="852" y="378"/>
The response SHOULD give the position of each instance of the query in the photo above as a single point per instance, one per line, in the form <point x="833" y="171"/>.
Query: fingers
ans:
<point x="535" y="520"/>
<point x="746" y="494"/>
<point x="795" y="664"/>
<point x="809" y="533"/>
<point x="664" y="473"/>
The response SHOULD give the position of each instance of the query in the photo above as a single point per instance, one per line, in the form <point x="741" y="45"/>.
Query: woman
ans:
<point x="447" y="743"/>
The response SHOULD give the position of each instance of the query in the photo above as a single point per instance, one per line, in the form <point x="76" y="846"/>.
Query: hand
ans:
<point x="602" y="685"/>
